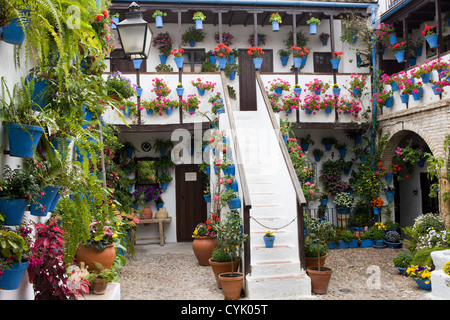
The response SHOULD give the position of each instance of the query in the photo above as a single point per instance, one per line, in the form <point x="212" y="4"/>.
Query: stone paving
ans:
<point x="171" y="272"/>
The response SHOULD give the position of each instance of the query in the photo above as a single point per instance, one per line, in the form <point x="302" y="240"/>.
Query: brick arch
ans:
<point x="397" y="132"/>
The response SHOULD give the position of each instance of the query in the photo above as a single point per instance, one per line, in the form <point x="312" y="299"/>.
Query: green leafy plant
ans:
<point x="159" y="13"/>
<point x="14" y="247"/>
<point x="313" y="20"/>
<point x="193" y="34"/>
<point x="199" y="15"/>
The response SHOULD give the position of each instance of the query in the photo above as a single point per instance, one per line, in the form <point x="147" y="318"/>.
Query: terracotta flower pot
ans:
<point x="203" y="247"/>
<point x="319" y="279"/>
<point x="99" y="285"/>
<point x="222" y="267"/>
<point x="231" y="284"/>
<point x="90" y="254"/>
<point x="312" y="261"/>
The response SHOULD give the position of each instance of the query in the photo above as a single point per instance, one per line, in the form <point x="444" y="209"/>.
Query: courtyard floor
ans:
<point x="171" y="272"/>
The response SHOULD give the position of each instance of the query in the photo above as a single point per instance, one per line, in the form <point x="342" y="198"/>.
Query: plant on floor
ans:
<point x="320" y="233"/>
<point x="104" y="274"/>
<point x="402" y="259"/>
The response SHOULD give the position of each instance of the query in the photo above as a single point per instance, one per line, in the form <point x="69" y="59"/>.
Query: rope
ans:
<point x="273" y="228"/>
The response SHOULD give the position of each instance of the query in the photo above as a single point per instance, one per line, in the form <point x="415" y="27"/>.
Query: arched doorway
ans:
<point x="412" y="185"/>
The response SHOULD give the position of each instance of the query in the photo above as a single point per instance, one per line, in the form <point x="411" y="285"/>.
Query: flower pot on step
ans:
<point x="319" y="279"/>
<point x="231" y="284"/>
<point x="222" y="267"/>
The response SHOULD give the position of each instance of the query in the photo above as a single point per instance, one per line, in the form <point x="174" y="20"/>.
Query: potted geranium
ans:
<point x="222" y="53"/>
<point x="377" y="204"/>
<point x="163" y="42"/>
<point x="357" y="84"/>
<point x="203" y="86"/>
<point x="178" y="57"/>
<point x="205" y="239"/>
<point x="275" y="18"/>
<point x="336" y="59"/>
<point x="14" y="256"/>
<point x="398" y="50"/>
<point x="317" y="86"/>
<point x="430" y="35"/>
<point x="199" y="17"/>
<point x="191" y="104"/>
<point x="157" y="15"/>
<point x="231" y="239"/>
<point x="313" y="22"/>
<point x="299" y="54"/>
<point x="256" y="53"/>
<point x="319" y="234"/>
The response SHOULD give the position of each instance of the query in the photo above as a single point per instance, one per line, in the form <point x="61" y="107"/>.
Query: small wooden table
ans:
<point x="161" y="229"/>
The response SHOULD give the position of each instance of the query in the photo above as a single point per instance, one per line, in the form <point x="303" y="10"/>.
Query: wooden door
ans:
<point x="247" y="81"/>
<point x="428" y="204"/>
<point x="190" y="204"/>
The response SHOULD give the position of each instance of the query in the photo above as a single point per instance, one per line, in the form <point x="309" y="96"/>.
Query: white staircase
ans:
<point x="275" y="272"/>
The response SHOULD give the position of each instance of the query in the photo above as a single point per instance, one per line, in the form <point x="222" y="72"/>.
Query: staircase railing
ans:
<point x="301" y="201"/>
<point x="247" y="205"/>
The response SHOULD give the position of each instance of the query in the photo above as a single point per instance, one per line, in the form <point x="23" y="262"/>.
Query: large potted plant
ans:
<point x="231" y="239"/>
<point x="317" y="254"/>
<point x="205" y="239"/>
<point x="320" y="233"/>
<point x="14" y="256"/>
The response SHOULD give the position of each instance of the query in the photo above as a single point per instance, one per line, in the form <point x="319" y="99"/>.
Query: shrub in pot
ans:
<point x="402" y="261"/>
<point x="392" y="239"/>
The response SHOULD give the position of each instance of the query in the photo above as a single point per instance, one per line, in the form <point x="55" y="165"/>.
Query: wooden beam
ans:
<point x="230" y="22"/>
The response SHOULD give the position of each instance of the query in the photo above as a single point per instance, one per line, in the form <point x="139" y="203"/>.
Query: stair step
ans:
<point x="290" y="287"/>
<point x="266" y="269"/>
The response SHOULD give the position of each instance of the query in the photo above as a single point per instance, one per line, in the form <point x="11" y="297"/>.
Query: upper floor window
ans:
<point x="193" y="59"/>
<point x="322" y="62"/>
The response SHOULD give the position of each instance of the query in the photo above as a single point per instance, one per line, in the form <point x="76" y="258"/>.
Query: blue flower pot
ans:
<point x="343" y="210"/>
<point x="352" y="244"/>
<point x="222" y="62"/>
<point x="284" y="60"/>
<point x="199" y="24"/>
<point x="159" y="21"/>
<point x="336" y="91"/>
<point x="207" y="197"/>
<point x="423" y="284"/>
<point x="234" y="203"/>
<point x="312" y="28"/>
<point x="164" y="185"/>
<point x="23" y="139"/>
<point x="114" y="22"/>
<point x="400" y="56"/>
<point x="60" y="145"/>
<point x="417" y="95"/>
<point x="394" y="86"/>
<point x="201" y="92"/>
<point x="335" y="63"/>
<point x="317" y="158"/>
<point x="169" y="110"/>
<point x="11" y="278"/>
<point x="366" y="243"/>
<point x="412" y="61"/>
<point x="13" y="33"/>
<point x="342" y="152"/>
<point x="13" y="210"/>
<point x="379" y="243"/>
<point x="355" y="92"/>
<point x="149" y="111"/>
<point x="328" y="146"/>
<point x="139" y="92"/>
<point x="39" y="94"/>
<point x="392" y="38"/>
<point x="212" y="59"/>
<point x="297" y="91"/>
<point x="376" y="210"/>
<point x="233" y="75"/>
<point x="393" y="245"/>
<point x="192" y="43"/>
<point x="54" y="203"/>
<point x="305" y="147"/>
<point x="432" y="40"/>
<point x="275" y="26"/>
<point x="342" y="244"/>
<point x="323" y="202"/>
<point x="297" y="62"/>
<point x="278" y="90"/>
<point x="180" y="91"/>
<point x="179" y="62"/>
<point x="436" y="90"/>
<point x="230" y="170"/>
<point x="333" y="245"/>
<point x="126" y="110"/>
<point x="231" y="59"/>
<point x="304" y="60"/>
<point x="388" y="102"/>
<point x="389" y="176"/>
<point x="45" y="202"/>
<point x="269" y="241"/>
<point x="354" y="39"/>
<point x="418" y="52"/>
<point x="404" y="97"/>
<point x="257" y="63"/>
<point x="162" y="59"/>
<point x="390" y="196"/>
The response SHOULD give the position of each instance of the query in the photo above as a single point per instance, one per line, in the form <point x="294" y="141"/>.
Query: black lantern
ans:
<point x="135" y="34"/>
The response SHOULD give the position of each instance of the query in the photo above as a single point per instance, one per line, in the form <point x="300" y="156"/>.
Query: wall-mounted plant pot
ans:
<point x="312" y="28"/>
<point x="180" y="91"/>
<point x="335" y="63"/>
<point x="426" y="77"/>
<point x="417" y="95"/>
<point x="275" y="26"/>
<point x="179" y="62"/>
<point x="159" y="22"/>
<point x="45" y="201"/>
<point x="392" y="38"/>
<point x="13" y="33"/>
<point x="404" y="97"/>
<point x="389" y="176"/>
<point x="257" y="63"/>
<point x="199" y="24"/>
<point x="192" y="43"/>
<point x="297" y="91"/>
<point x="432" y="40"/>
<point x="269" y="241"/>
<point x="23" y="139"/>
<point x="13" y="210"/>
<point x="231" y="59"/>
<point x="114" y="23"/>
<point x="222" y="62"/>
<point x="400" y="56"/>
<point x="234" y="203"/>
<point x="162" y="59"/>
<point x="394" y="86"/>
<point x="11" y="278"/>
<point x="297" y="62"/>
<point x="388" y="102"/>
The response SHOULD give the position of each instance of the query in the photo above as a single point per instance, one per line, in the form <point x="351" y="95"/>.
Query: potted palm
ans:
<point x="231" y="239"/>
<point x="319" y="234"/>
